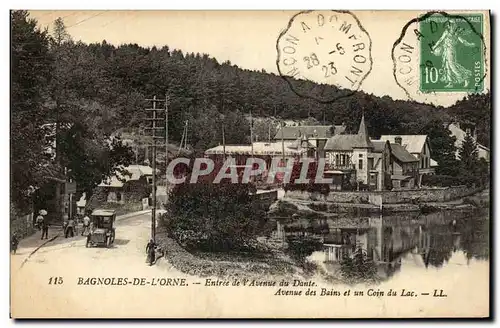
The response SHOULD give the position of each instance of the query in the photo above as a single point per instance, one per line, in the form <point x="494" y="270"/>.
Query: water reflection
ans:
<point x="372" y="248"/>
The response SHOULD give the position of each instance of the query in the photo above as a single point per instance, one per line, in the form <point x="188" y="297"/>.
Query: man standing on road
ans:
<point x="86" y="224"/>
<point x="70" y="229"/>
<point x="39" y="220"/>
<point x="45" y="228"/>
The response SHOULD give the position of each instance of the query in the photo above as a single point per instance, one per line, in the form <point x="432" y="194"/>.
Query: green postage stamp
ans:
<point x="451" y="53"/>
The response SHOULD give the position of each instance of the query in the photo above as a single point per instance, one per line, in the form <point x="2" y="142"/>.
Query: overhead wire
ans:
<point x="86" y="19"/>
<point x="73" y="13"/>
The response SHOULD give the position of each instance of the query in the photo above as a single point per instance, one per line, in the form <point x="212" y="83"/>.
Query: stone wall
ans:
<point x="427" y="195"/>
<point x="387" y="197"/>
<point x="333" y="196"/>
<point x="22" y="225"/>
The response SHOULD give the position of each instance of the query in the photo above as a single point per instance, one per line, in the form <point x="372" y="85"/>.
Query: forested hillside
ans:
<point x="119" y="78"/>
<point x="208" y="94"/>
<point x="101" y="88"/>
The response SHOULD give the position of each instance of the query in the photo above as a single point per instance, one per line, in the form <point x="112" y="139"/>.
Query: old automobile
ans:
<point x="102" y="232"/>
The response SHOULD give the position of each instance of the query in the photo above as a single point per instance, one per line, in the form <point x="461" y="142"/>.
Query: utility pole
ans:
<point x="186" y="135"/>
<point x="183" y="144"/>
<point x="283" y="147"/>
<point x="166" y="148"/>
<point x="251" y="131"/>
<point x="223" y="141"/>
<point x="223" y="117"/>
<point x="155" y="126"/>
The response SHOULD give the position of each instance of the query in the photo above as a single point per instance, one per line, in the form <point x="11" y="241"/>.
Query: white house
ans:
<point x="459" y="134"/>
<point x="115" y="184"/>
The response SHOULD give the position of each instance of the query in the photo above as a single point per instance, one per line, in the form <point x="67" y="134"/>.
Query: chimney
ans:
<point x="398" y="140"/>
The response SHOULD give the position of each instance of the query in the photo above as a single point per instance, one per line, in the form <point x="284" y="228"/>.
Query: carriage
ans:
<point x="102" y="232"/>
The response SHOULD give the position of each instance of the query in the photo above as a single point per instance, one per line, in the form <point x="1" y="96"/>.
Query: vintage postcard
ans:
<point x="250" y="164"/>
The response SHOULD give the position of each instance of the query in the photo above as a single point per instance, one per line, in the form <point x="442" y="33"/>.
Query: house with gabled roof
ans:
<point x="418" y="146"/>
<point x="459" y="134"/>
<point x="122" y="186"/>
<point x="356" y="160"/>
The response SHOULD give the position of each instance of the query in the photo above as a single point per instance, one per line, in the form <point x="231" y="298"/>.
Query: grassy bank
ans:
<point x="223" y="265"/>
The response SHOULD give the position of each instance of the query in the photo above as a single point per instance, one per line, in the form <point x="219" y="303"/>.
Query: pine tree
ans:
<point x="468" y="154"/>
<point x="442" y="145"/>
<point x="61" y="35"/>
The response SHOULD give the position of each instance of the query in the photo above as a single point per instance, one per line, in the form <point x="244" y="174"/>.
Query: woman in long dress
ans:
<point x="446" y="47"/>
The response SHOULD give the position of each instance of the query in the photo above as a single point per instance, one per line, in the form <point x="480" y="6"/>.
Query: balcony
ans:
<point x="340" y="167"/>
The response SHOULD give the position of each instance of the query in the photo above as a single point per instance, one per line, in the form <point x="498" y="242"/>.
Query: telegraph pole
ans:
<point x="251" y="131"/>
<point x="283" y="146"/>
<point x="155" y="126"/>
<point x="166" y="148"/>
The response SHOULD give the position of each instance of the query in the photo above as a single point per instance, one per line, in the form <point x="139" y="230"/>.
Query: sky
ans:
<point x="246" y="38"/>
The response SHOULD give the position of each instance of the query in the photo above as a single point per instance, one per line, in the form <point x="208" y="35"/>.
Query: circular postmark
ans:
<point x="440" y="55"/>
<point x="324" y="55"/>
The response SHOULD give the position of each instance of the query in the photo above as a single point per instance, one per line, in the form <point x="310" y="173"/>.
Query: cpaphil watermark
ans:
<point x="311" y="170"/>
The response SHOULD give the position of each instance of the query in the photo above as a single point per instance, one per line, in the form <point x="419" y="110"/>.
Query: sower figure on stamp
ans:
<point x="447" y="48"/>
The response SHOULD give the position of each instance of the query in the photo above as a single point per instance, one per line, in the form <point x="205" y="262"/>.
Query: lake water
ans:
<point x="375" y="248"/>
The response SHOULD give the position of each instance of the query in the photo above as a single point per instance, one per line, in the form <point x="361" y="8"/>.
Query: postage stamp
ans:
<point x="329" y="48"/>
<point x="451" y="53"/>
<point x="441" y="53"/>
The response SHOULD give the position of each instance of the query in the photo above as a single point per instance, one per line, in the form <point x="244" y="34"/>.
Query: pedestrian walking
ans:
<point x="150" y="250"/>
<point x="45" y="228"/>
<point x="14" y="242"/>
<point x="39" y="220"/>
<point x="86" y="224"/>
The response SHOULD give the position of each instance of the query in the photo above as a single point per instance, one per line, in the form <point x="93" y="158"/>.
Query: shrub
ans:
<point x="470" y="179"/>
<point x="213" y="217"/>
<point x="441" y="180"/>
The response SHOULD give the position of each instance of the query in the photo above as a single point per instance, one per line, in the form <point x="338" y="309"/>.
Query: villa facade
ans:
<point x="357" y="162"/>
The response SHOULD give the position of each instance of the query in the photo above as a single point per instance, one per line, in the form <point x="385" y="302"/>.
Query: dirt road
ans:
<point x="64" y="272"/>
